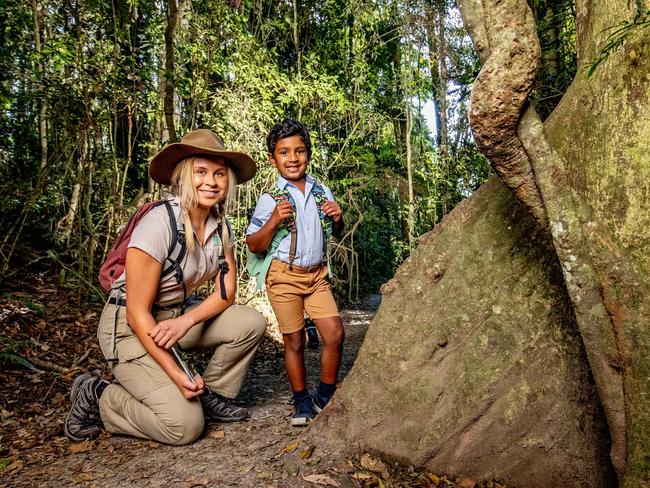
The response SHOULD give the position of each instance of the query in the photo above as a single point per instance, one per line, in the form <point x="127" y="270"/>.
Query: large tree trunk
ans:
<point x="536" y="328"/>
<point x="473" y="365"/>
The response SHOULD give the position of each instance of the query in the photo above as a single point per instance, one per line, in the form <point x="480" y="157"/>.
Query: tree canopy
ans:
<point x="91" y="90"/>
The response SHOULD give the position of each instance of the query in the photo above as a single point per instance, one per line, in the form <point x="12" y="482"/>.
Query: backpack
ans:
<point x="258" y="265"/>
<point x="113" y="267"/>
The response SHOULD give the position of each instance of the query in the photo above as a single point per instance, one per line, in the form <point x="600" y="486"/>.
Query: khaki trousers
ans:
<point x="145" y="402"/>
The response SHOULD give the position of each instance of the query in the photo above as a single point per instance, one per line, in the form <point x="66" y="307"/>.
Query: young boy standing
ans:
<point x="297" y="277"/>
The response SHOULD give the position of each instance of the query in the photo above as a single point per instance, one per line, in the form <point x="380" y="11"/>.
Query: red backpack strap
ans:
<point x="113" y="267"/>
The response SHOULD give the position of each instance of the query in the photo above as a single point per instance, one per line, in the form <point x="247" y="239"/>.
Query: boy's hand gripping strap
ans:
<point x="281" y="195"/>
<point x="327" y="223"/>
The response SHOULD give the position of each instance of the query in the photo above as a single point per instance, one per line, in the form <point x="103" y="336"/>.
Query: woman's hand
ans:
<point x="332" y="209"/>
<point x="168" y="332"/>
<point x="188" y="389"/>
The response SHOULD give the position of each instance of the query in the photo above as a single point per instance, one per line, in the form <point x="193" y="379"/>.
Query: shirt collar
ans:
<point x="283" y="182"/>
<point x="213" y="219"/>
<point x="212" y="223"/>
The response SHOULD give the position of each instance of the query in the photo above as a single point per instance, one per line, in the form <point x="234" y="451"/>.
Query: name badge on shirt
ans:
<point x="216" y="243"/>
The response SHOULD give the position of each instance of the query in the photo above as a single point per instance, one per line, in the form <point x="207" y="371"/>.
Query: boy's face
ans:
<point x="290" y="158"/>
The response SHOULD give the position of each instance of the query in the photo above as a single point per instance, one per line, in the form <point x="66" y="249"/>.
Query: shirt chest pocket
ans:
<point x="213" y="250"/>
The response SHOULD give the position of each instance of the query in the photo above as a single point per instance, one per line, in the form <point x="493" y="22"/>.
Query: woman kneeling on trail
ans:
<point x="147" y="311"/>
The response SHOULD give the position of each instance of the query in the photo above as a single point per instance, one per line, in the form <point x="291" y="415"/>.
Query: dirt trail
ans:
<point x="263" y="451"/>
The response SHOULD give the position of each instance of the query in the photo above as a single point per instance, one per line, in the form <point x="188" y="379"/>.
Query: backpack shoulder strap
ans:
<point x="177" y="246"/>
<point x="326" y="222"/>
<point x="280" y="195"/>
<point x="223" y="267"/>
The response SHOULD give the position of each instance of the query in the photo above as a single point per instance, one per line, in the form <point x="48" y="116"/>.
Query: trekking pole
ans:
<point x="189" y="370"/>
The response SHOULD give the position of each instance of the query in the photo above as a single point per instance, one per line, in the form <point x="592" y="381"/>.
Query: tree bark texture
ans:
<point x="473" y="365"/>
<point x="586" y="250"/>
<point x="510" y="55"/>
<point x="509" y="350"/>
<point x="606" y="148"/>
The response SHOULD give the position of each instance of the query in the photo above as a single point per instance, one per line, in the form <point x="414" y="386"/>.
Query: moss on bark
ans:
<point x="473" y="365"/>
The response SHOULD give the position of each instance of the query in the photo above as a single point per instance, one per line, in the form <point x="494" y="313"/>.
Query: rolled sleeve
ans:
<point x="261" y="214"/>
<point x="153" y="234"/>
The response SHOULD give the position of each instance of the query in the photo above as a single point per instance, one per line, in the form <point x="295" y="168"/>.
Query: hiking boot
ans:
<point x="303" y="411"/>
<point x="83" y="420"/>
<point x="217" y="407"/>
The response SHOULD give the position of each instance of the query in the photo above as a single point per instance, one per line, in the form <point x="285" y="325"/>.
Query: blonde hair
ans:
<point x="182" y="183"/>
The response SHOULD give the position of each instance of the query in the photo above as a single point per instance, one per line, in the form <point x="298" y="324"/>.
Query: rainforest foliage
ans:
<point x="90" y="90"/>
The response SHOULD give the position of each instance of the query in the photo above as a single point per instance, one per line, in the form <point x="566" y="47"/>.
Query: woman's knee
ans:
<point x="252" y="323"/>
<point x="185" y="427"/>
<point x="258" y="325"/>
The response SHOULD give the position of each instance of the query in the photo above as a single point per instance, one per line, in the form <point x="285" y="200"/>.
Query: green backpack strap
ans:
<point x="326" y="222"/>
<point x="258" y="265"/>
<point x="281" y="195"/>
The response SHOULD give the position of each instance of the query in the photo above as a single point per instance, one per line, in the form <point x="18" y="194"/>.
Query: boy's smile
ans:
<point x="290" y="159"/>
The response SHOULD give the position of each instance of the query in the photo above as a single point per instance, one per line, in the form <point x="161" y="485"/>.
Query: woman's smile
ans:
<point x="210" y="181"/>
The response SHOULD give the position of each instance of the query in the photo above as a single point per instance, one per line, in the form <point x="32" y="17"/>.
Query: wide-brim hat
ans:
<point x="201" y="142"/>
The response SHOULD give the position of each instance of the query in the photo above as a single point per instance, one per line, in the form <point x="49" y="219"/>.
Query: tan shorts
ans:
<point x="292" y="292"/>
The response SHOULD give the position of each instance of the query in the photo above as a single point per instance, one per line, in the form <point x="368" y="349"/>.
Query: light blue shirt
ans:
<point x="309" y="239"/>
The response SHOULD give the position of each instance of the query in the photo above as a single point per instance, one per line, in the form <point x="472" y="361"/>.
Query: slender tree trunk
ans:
<point x="409" y="172"/>
<point x="40" y="69"/>
<point x="64" y="226"/>
<point x="170" y="66"/>
<point x="88" y="227"/>
<point x="129" y="156"/>
<point x="298" y="50"/>
<point x="443" y="79"/>
<point x="551" y="42"/>
<point x="435" y="12"/>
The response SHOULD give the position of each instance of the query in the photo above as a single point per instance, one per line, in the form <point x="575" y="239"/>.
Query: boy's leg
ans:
<point x="294" y="360"/>
<point x="332" y="332"/>
<point x="286" y="288"/>
<point x="322" y="309"/>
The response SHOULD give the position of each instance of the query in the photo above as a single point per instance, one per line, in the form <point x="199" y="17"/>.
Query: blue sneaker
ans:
<point x="303" y="411"/>
<point x="319" y="402"/>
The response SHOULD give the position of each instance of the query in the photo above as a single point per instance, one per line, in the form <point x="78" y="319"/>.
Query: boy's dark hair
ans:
<point x="288" y="128"/>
